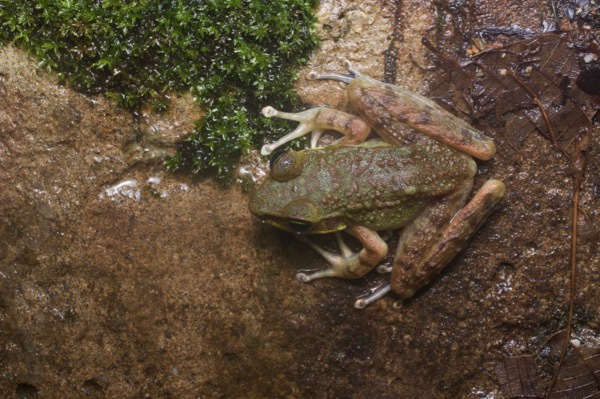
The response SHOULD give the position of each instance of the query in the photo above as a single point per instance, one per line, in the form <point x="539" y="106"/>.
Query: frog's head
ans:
<point x="288" y="198"/>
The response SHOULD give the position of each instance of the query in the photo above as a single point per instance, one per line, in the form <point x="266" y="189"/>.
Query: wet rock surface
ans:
<point x="168" y="288"/>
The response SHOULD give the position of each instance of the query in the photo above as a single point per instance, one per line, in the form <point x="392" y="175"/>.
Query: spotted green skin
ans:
<point x="374" y="184"/>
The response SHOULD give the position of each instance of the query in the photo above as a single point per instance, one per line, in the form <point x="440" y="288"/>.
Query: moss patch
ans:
<point x="234" y="56"/>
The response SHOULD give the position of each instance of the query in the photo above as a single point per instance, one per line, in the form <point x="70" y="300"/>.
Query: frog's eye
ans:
<point x="286" y="165"/>
<point x="276" y="155"/>
<point x="298" y="227"/>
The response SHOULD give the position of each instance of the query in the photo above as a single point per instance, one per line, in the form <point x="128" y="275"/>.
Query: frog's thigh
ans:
<point x="435" y="237"/>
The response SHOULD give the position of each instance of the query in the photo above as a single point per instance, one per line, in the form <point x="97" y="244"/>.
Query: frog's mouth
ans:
<point x="304" y="227"/>
<point x="300" y="216"/>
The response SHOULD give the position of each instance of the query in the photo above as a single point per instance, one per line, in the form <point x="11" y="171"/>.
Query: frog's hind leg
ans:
<point x="349" y="264"/>
<point x="434" y="238"/>
<point x="422" y="254"/>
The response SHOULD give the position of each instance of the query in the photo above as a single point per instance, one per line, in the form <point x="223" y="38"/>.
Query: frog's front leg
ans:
<point x="315" y="121"/>
<point x="349" y="264"/>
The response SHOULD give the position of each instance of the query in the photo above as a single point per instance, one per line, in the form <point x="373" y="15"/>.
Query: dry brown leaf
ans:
<point x="518" y="378"/>
<point x="545" y="83"/>
<point x="579" y="375"/>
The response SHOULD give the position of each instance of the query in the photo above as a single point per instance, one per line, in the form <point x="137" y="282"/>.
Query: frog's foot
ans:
<point x="340" y="263"/>
<point x="315" y="136"/>
<point x="383" y="269"/>
<point x="377" y="294"/>
<point x="348" y="264"/>
<point x="303" y="128"/>
<point x="315" y="121"/>
<point x="354" y="73"/>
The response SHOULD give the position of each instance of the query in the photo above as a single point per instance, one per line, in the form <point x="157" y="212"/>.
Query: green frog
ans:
<point x="417" y="177"/>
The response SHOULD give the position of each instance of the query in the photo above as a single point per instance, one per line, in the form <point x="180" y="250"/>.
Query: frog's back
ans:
<point x="382" y="187"/>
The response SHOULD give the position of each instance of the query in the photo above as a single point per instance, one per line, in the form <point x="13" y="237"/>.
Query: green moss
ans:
<point x="235" y="56"/>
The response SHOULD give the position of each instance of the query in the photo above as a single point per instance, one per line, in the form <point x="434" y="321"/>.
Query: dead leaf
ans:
<point x="518" y="378"/>
<point x="543" y="84"/>
<point x="579" y="375"/>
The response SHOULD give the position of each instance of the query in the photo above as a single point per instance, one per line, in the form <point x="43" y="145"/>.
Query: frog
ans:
<point x="416" y="176"/>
